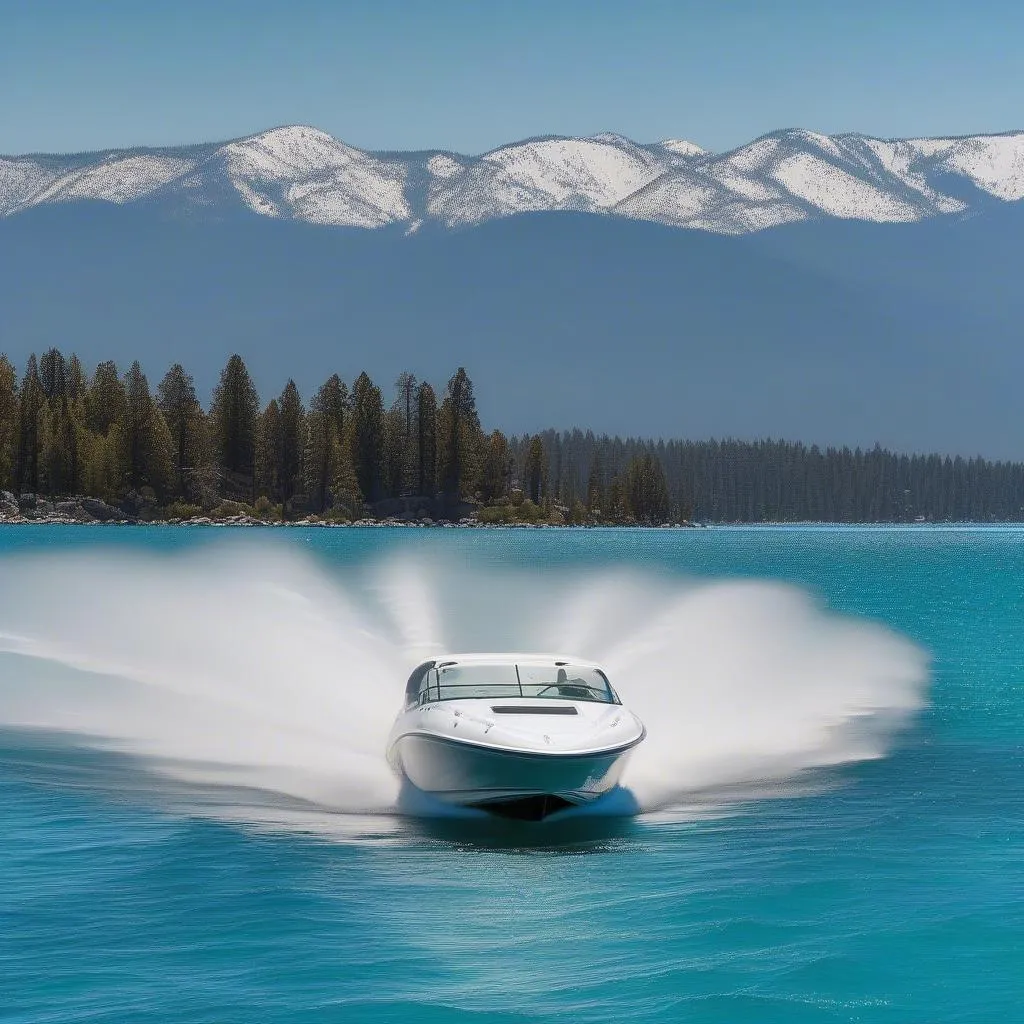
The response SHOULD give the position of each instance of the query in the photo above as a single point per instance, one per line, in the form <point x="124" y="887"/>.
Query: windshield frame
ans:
<point x="425" y="685"/>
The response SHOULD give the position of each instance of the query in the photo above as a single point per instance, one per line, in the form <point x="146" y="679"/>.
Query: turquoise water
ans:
<point x="890" y="889"/>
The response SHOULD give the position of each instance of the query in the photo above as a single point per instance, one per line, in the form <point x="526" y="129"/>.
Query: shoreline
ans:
<point x="34" y="510"/>
<point x="240" y="522"/>
<point x="359" y="524"/>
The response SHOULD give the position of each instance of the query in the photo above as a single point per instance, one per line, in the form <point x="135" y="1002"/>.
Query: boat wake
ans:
<point x="256" y="684"/>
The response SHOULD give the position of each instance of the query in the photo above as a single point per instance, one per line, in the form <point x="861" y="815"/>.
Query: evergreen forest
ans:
<point x="350" y="453"/>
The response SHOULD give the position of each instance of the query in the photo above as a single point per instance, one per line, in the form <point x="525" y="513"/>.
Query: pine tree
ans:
<point x="138" y="411"/>
<point x="105" y="402"/>
<point x="406" y="402"/>
<point x="495" y="468"/>
<point x="344" y="485"/>
<point x="333" y="400"/>
<point x="647" y="490"/>
<point x="176" y="397"/>
<point x="105" y="469"/>
<point x="291" y="443"/>
<point x="535" y="471"/>
<point x="367" y="437"/>
<point x="459" y="436"/>
<point x="160" y="468"/>
<point x="617" y="510"/>
<point x="30" y="402"/>
<point x="58" y="444"/>
<point x="62" y="432"/>
<point x="53" y="374"/>
<point x="76" y="380"/>
<point x="267" y="482"/>
<point x="235" y="410"/>
<point x="9" y="427"/>
<point x="59" y="461"/>
<point x="327" y="444"/>
<point x="595" y="486"/>
<point x="426" y="441"/>
<point x="146" y="439"/>
<point x="321" y="458"/>
<point x="395" y="458"/>
<point x="405" y="388"/>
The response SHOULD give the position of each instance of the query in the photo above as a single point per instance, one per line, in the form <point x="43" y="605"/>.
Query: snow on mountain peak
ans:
<point x="305" y="173"/>
<point x="681" y="147"/>
<point x="836" y="191"/>
<point x="299" y="172"/>
<point x="283" y="153"/>
<point x="597" y="171"/>
<point x="611" y="137"/>
<point x="995" y="163"/>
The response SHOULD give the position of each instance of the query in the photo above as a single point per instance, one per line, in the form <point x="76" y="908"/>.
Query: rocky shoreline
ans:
<point x="36" y="510"/>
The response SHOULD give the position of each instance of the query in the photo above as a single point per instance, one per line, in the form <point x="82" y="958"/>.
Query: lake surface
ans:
<point x="138" y="884"/>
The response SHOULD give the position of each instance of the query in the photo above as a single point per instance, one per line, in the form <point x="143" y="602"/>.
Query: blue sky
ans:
<point x="471" y="75"/>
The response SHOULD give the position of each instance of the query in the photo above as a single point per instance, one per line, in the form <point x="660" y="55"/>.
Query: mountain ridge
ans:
<point x="298" y="172"/>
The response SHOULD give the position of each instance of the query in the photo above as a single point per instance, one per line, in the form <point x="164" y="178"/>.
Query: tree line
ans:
<point x="731" y="481"/>
<point x="349" y="453"/>
<point x="346" y="455"/>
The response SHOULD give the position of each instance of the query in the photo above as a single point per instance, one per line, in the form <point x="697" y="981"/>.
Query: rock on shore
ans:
<point x="35" y="508"/>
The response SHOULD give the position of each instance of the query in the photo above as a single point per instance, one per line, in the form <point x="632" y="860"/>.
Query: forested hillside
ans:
<point x="349" y="454"/>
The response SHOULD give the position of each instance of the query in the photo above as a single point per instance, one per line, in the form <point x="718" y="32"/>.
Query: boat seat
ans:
<point x="574" y="692"/>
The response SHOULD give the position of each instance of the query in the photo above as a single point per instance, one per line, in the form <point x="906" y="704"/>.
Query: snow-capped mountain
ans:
<point x="303" y="174"/>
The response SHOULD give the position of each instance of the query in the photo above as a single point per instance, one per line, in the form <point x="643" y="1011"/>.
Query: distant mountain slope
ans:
<point x="301" y="173"/>
<point x="835" y="331"/>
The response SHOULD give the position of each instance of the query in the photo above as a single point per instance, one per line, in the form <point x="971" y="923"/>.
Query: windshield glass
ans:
<point x="565" y="680"/>
<point x="450" y="680"/>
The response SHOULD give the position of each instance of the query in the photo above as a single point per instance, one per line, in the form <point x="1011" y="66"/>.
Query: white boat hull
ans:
<point x="474" y="775"/>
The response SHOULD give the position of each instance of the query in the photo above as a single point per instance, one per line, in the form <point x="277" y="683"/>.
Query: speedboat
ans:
<point x="520" y="735"/>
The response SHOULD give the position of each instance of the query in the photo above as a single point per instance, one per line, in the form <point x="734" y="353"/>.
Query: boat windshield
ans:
<point x="450" y="680"/>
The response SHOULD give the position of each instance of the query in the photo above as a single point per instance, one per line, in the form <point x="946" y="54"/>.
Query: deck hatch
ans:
<point x="531" y="709"/>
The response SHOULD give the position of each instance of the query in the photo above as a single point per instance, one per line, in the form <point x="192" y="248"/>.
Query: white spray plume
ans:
<point x="256" y="667"/>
